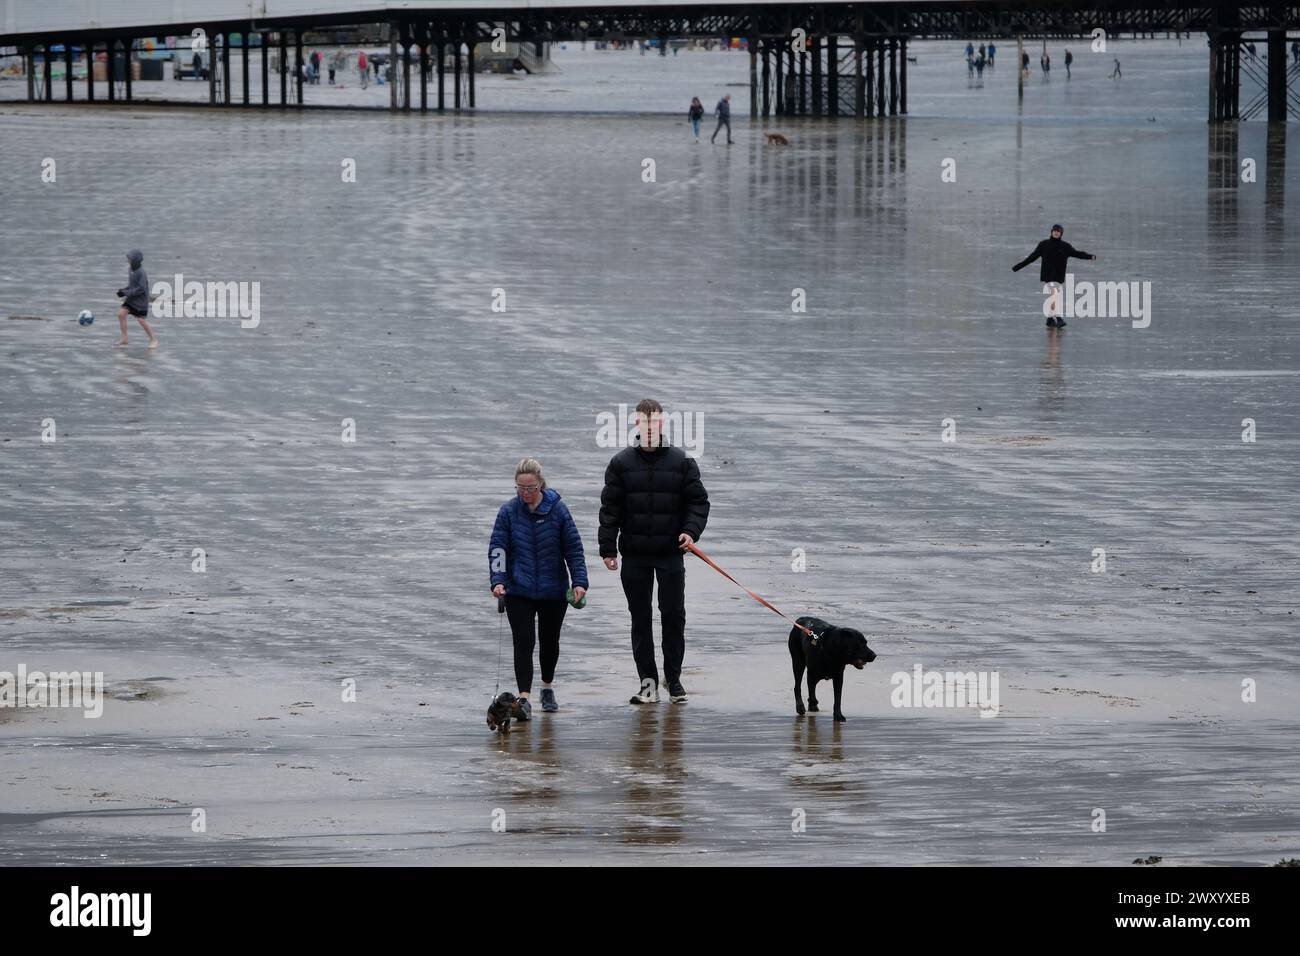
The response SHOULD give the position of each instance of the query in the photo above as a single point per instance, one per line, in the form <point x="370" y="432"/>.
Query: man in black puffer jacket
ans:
<point x="653" y="506"/>
<point x="1055" y="253"/>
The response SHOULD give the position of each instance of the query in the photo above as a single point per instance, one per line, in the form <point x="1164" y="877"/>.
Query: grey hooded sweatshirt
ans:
<point x="136" y="293"/>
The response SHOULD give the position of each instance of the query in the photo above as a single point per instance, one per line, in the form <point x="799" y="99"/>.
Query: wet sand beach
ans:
<point x="330" y="562"/>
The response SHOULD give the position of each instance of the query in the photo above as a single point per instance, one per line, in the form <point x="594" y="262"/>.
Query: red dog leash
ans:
<point x="705" y="558"/>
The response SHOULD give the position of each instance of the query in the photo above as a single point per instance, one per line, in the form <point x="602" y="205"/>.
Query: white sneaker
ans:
<point x="649" y="693"/>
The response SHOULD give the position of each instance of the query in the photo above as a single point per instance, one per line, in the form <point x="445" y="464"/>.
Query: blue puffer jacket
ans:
<point x="542" y="549"/>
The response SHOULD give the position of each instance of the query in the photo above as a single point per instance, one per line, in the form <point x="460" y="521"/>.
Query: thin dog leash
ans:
<point x="705" y="558"/>
<point x="501" y="634"/>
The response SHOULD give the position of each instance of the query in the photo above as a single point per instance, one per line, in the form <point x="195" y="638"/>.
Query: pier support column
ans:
<point x="753" y="77"/>
<point x="110" y="73"/>
<point x="767" y="81"/>
<point x="244" y="40"/>
<point x="859" y="88"/>
<point x="902" y="78"/>
<point x="297" y="62"/>
<point x="779" y="76"/>
<point x="869" y="81"/>
<point x="393" y="30"/>
<point x="1020" y="70"/>
<point x="442" y="99"/>
<point x="469" y="70"/>
<point x="832" y="76"/>
<point x="211" y="51"/>
<point x="880" y="78"/>
<point x="817" y="90"/>
<point x="29" y="69"/>
<point x="803" y="83"/>
<point x="89" y="50"/>
<point x="49" y="73"/>
<point x="424" y="70"/>
<point x="266" y="71"/>
<point x="1277" y="68"/>
<point x="67" y="67"/>
<point x="456" y="78"/>
<point x="284" y="68"/>
<point x="893" y="77"/>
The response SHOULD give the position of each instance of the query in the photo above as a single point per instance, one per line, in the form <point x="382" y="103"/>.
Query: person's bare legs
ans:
<point x="153" y="339"/>
<point x="121" y="322"/>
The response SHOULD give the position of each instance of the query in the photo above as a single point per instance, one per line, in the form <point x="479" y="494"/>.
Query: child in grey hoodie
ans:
<point x="135" y="298"/>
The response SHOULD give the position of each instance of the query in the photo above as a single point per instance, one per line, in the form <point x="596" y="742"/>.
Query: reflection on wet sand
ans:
<point x="1051" y="377"/>
<point x="655" y="808"/>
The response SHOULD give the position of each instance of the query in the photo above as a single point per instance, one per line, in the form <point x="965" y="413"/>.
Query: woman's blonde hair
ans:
<point x="530" y="466"/>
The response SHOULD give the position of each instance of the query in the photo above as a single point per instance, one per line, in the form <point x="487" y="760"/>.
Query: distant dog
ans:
<point x="776" y="139"/>
<point x="911" y="59"/>
<point x="825" y="654"/>
<point x="502" y="710"/>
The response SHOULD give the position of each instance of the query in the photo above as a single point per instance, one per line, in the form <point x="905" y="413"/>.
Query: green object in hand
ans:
<point x="576" y="604"/>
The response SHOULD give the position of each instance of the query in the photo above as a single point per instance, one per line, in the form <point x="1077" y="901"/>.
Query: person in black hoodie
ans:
<point x="135" y="298"/>
<point x="1055" y="253"/>
<point x="653" y="507"/>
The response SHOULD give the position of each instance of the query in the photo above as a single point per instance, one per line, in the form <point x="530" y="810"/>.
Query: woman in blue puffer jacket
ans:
<point x="534" y="553"/>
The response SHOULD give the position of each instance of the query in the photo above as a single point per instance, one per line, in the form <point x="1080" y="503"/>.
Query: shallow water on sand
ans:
<point x="329" y="561"/>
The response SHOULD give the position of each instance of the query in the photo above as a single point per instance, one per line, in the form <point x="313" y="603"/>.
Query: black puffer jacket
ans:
<point x="1054" y="253"/>
<point x="650" y="497"/>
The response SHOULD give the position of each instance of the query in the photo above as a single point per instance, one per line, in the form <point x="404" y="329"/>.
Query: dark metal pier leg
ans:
<point x="424" y="71"/>
<point x="243" y="49"/>
<point x="297" y="62"/>
<point x="456" y="78"/>
<point x="832" y="76"/>
<point x="266" y="71"/>
<point x="90" y="70"/>
<point x="803" y="83"/>
<point x="227" y="93"/>
<point x="111" y="71"/>
<point x="859" y="90"/>
<point x="49" y="92"/>
<point x="779" y="76"/>
<point x="67" y="60"/>
<point x="753" y="77"/>
<point x="767" y="81"/>
<point x="870" y="80"/>
<point x="880" y="78"/>
<point x="893" y="77"/>
<point x="442" y="99"/>
<point x="817" y="75"/>
<point x="469" y="71"/>
<point x="902" y="80"/>
<point x="284" y="68"/>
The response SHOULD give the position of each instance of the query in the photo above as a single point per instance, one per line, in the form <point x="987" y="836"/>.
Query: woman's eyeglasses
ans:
<point x="527" y="489"/>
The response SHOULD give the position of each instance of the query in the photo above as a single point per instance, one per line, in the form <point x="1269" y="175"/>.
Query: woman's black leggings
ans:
<point x="549" y="616"/>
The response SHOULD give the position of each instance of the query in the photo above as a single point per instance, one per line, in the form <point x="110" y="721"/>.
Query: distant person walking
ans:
<point x="363" y="68"/>
<point x="992" y="53"/>
<point x="135" y="298"/>
<point x="1024" y="63"/>
<point x="979" y="65"/>
<point x="1295" y="51"/>
<point x="1045" y="63"/>
<point x="1054" y="252"/>
<point x="723" y="112"/>
<point x="983" y="54"/>
<point x="1115" y="74"/>
<point x="696" y="116"/>
<point x="333" y="65"/>
<point x="970" y="50"/>
<point x="1069" y="58"/>
<point x="652" y="508"/>
<point x="534" y="553"/>
<point x="315" y="66"/>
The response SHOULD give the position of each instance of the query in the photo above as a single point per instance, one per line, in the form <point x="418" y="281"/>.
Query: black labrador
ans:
<point x="825" y="653"/>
